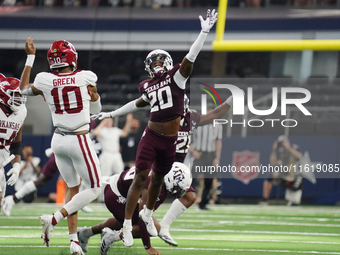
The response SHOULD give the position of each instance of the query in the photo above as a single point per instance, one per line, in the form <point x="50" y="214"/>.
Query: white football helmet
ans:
<point x="178" y="180"/>
<point x="159" y="70"/>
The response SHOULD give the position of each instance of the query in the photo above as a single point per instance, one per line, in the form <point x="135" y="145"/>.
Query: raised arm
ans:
<point x="27" y="88"/>
<point x="217" y="113"/>
<point x="127" y="127"/>
<point x="188" y="61"/>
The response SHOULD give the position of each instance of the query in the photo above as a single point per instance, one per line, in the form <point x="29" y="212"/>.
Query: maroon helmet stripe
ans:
<point x="86" y="160"/>
<point x="92" y="161"/>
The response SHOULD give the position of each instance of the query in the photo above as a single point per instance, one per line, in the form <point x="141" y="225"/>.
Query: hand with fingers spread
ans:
<point x="208" y="23"/>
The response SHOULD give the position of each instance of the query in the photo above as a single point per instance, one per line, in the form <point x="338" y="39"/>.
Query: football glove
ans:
<point x="102" y="115"/>
<point x="209" y="22"/>
<point x="15" y="174"/>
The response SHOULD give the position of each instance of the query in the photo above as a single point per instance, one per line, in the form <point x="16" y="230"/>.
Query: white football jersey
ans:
<point x="68" y="97"/>
<point x="10" y="125"/>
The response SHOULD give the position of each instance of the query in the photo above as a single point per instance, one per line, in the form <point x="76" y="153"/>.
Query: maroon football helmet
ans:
<point x="9" y="93"/>
<point x="61" y="54"/>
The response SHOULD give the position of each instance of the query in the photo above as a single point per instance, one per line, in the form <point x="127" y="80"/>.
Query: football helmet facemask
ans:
<point x="160" y="55"/>
<point x="186" y="104"/>
<point x="9" y="94"/>
<point x="61" y="54"/>
<point x="178" y="180"/>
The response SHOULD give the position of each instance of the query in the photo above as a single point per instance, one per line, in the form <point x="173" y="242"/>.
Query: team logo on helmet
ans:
<point x="178" y="180"/>
<point x="158" y="55"/>
<point x="9" y="93"/>
<point x="62" y="54"/>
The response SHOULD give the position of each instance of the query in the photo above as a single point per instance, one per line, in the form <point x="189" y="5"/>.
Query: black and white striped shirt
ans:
<point x="205" y="137"/>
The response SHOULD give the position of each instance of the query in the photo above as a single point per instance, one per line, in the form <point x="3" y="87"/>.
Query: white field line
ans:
<point x="277" y="223"/>
<point x="203" y="221"/>
<point x="230" y="222"/>
<point x="205" y="230"/>
<point x="219" y="216"/>
<point x="272" y="208"/>
<point x="27" y="236"/>
<point x="186" y="248"/>
<point x="254" y="232"/>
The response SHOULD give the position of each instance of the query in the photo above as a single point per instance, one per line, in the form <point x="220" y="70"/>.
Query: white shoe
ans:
<point x="263" y="203"/>
<point x="108" y="238"/>
<point x="75" y="249"/>
<point x="47" y="228"/>
<point x="8" y="205"/>
<point x="87" y="209"/>
<point x="127" y="236"/>
<point x="82" y="239"/>
<point x="150" y="226"/>
<point x="164" y="234"/>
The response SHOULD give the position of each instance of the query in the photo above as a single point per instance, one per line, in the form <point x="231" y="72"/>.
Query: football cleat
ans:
<point x="108" y="238"/>
<point x="47" y="228"/>
<point x="8" y="205"/>
<point x="75" y="248"/>
<point x="127" y="237"/>
<point x="164" y="234"/>
<point x="82" y="239"/>
<point x="150" y="226"/>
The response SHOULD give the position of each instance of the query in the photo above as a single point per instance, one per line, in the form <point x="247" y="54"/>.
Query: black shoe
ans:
<point x="203" y="207"/>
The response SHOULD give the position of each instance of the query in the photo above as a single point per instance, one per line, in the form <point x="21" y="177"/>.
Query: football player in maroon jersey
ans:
<point x="164" y="91"/>
<point x="176" y="182"/>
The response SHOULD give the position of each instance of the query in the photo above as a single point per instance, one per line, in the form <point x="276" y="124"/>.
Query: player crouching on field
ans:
<point x="176" y="182"/>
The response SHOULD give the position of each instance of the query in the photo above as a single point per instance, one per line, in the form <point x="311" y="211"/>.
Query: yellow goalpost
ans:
<point x="264" y="45"/>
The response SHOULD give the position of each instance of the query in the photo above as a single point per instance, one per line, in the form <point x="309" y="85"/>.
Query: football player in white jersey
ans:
<point x="71" y="96"/>
<point x="12" y="115"/>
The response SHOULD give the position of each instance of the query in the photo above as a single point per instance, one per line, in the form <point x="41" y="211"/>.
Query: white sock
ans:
<point x="148" y="212"/>
<point x="81" y="199"/>
<point x="73" y="237"/>
<point x="175" y="210"/>
<point x="28" y="188"/>
<point x="127" y="224"/>
<point x="58" y="216"/>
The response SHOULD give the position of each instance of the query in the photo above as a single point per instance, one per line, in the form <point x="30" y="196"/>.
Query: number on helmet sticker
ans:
<point x="66" y="92"/>
<point x="57" y="60"/>
<point x="158" y="96"/>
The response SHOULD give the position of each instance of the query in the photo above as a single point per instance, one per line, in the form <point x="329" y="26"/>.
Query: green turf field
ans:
<point x="225" y="229"/>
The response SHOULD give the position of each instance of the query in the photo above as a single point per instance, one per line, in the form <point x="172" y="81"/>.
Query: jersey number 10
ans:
<point x="66" y="102"/>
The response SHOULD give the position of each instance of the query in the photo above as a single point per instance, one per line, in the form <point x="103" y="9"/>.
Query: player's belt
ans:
<point x="58" y="131"/>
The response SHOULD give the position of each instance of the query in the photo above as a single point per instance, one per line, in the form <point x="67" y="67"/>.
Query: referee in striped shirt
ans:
<point x="206" y="149"/>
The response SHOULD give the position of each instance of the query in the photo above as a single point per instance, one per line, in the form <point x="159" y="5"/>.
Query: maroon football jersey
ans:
<point x="187" y="126"/>
<point x="125" y="180"/>
<point x="165" y="97"/>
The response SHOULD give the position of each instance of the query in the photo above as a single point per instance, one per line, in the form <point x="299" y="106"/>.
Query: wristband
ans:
<point x="30" y="60"/>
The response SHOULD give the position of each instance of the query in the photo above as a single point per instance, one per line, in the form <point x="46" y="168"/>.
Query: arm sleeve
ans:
<point x="196" y="47"/>
<point x="180" y="80"/>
